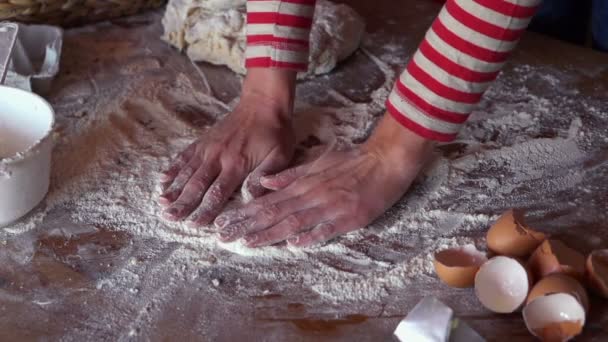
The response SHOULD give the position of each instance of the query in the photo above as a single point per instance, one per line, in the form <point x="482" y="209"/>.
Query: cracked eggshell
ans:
<point x="457" y="266"/>
<point x="553" y="256"/>
<point x="554" y="317"/>
<point x="560" y="283"/>
<point x="510" y="236"/>
<point x="597" y="271"/>
<point x="502" y="284"/>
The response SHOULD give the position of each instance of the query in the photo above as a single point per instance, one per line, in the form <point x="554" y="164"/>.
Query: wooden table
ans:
<point x="52" y="286"/>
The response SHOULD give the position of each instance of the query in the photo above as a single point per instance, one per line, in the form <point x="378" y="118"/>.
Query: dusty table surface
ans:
<point x="90" y="264"/>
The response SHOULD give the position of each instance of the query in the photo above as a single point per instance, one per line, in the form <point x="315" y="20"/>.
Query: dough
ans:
<point x="214" y="31"/>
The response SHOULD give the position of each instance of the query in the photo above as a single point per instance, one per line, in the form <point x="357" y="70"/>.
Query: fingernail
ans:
<point x="266" y="179"/>
<point x="164" y="177"/>
<point x="293" y="240"/>
<point x="249" y="239"/>
<point x="220" y="222"/>
<point x="170" y="213"/>
<point x="225" y="235"/>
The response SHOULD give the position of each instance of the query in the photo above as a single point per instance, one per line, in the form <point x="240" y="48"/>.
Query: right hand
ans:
<point x="256" y="138"/>
<point x="343" y="190"/>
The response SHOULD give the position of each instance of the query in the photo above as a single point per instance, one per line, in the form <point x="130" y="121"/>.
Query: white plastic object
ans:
<point x="432" y="321"/>
<point x="35" y="58"/>
<point x="26" y="124"/>
<point x="8" y="37"/>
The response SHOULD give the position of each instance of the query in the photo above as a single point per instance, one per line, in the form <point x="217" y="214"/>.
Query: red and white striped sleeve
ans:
<point x="278" y="32"/>
<point x="460" y="56"/>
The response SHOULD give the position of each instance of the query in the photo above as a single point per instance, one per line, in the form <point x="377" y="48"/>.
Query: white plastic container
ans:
<point x="26" y="124"/>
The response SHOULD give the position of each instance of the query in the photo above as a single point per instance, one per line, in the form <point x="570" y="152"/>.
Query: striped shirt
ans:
<point x="459" y="58"/>
<point x="278" y="33"/>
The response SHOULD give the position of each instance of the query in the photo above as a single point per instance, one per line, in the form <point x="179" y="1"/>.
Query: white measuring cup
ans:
<point x="26" y="124"/>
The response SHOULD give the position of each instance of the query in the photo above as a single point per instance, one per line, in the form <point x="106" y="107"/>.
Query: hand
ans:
<point x="338" y="193"/>
<point x="257" y="138"/>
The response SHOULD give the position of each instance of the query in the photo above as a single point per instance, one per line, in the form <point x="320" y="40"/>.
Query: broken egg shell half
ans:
<point x="560" y="283"/>
<point x="511" y="237"/>
<point x="502" y="284"/>
<point x="457" y="266"/>
<point x="597" y="271"/>
<point x="553" y="256"/>
<point x="554" y="317"/>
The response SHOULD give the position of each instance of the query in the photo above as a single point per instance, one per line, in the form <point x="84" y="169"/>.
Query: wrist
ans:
<point x="398" y="145"/>
<point x="272" y="88"/>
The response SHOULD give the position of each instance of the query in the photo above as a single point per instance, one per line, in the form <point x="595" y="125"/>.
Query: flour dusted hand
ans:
<point x="340" y="192"/>
<point x="255" y="138"/>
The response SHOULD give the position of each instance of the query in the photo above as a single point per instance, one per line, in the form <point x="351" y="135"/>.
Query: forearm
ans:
<point x="398" y="147"/>
<point x="273" y="87"/>
<point x="278" y="33"/>
<point x="277" y="48"/>
<point x="460" y="56"/>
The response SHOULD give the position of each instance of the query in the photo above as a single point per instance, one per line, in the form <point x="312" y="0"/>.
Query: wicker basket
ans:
<point x="71" y="12"/>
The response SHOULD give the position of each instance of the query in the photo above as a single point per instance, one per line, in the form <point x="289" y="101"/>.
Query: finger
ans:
<point x="216" y="198"/>
<point x="293" y="177"/>
<point x="324" y="232"/>
<point x="282" y="179"/>
<point x="166" y="199"/>
<point x="254" y="207"/>
<point x="180" y="161"/>
<point x="266" y="217"/>
<point x="293" y="224"/>
<point x="175" y="189"/>
<point x="192" y="194"/>
<point x="276" y="161"/>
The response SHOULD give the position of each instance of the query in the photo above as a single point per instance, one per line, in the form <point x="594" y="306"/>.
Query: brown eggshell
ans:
<point x="560" y="283"/>
<point x="597" y="271"/>
<point x="457" y="266"/>
<point x="510" y="236"/>
<point x="558" y="332"/>
<point x="553" y="256"/>
<point x="555" y="317"/>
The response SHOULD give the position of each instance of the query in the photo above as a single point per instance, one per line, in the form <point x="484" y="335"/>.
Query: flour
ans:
<point x="125" y="169"/>
<point x="116" y="136"/>
<point x="127" y="173"/>
<point x="27" y="223"/>
<point x="283" y="252"/>
<point x="5" y="172"/>
<point x="246" y="194"/>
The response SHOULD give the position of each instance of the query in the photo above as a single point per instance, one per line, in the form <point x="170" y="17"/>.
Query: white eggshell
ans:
<point x="554" y="308"/>
<point x="502" y="284"/>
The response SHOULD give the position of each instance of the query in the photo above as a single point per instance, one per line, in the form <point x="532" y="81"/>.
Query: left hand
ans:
<point x="255" y="139"/>
<point x="338" y="193"/>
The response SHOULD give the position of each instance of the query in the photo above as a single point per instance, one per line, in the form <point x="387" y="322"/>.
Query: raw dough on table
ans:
<point x="214" y="31"/>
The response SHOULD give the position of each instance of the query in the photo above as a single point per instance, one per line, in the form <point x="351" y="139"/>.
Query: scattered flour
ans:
<point x="117" y="137"/>
<point x="27" y="223"/>
<point x="123" y="195"/>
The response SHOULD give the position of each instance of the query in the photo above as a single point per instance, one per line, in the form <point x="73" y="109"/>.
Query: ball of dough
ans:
<point x="214" y="31"/>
